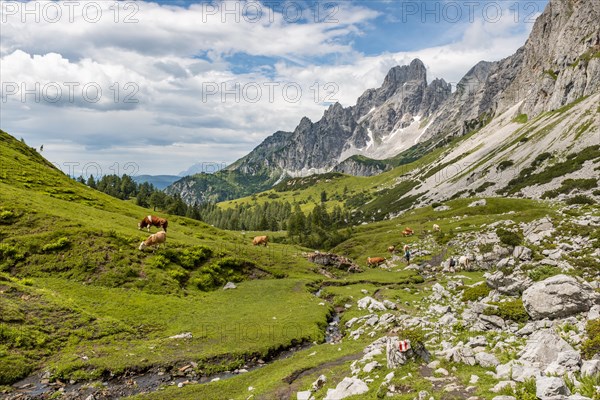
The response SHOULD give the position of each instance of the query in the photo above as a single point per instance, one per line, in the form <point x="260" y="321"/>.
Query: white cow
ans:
<point x="154" y="240"/>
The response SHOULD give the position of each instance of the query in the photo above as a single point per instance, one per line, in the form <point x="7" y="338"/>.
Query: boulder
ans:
<point x="550" y="386"/>
<point x="566" y="361"/>
<point x="390" y="305"/>
<point x="371" y="366"/>
<point x="543" y="348"/>
<point x="478" y="203"/>
<point x="511" y="285"/>
<point x="489" y="323"/>
<point x="590" y="367"/>
<point x="229" y="285"/>
<point x="594" y="312"/>
<point x="559" y="296"/>
<point x="486" y="359"/>
<point x="439" y="309"/>
<point x="535" y="231"/>
<point x="305" y="395"/>
<point x="522" y="253"/>
<point x="346" y="388"/>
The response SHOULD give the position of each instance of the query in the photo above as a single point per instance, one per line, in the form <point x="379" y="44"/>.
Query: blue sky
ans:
<point x="167" y="84"/>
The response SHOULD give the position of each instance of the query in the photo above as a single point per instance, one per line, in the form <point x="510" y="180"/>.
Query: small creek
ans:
<point x="132" y="383"/>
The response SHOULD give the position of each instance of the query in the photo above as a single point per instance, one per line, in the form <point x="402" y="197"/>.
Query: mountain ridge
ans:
<point x="558" y="64"/>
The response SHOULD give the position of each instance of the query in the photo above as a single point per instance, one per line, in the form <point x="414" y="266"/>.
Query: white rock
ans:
<point x="503" y="384"/>
<point x="389" y="377"/>
<point x="305" y="395"/>
<point x="389" y="304"/>
<point x="543" y="347"/>
<point x="590" y="367"/>
<point x="439" y="309"/>
<point x="558" y="296"/>
<point x="186" y="335"/>
<point x="474" y="379"/>
<point x="486" y="360"/>
<point x="550" y="386"/>
<point x="371" y="366"/>
<point x="478" y="203"/>
<point x="347" y="387"/>
<point x="594" y="312"/>
<point x="229" y="285"/>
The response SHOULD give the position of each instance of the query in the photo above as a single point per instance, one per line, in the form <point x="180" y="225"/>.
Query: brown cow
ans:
<point x="391" y="249"/>
<point x="154" y="240"/>
<point x="407" y="232"/>
<point x="258" y="240"/>
<point x="152" y="220"/>
<point x="375" y="261"/>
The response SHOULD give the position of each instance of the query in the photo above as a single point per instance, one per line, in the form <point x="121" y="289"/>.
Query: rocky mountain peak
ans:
<point x="399" y="75"/>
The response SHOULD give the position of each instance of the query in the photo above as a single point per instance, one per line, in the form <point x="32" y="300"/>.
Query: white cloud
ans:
<point x="173" y="59"/>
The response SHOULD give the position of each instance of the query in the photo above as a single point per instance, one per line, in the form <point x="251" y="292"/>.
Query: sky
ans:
<point x="155" y="87"/>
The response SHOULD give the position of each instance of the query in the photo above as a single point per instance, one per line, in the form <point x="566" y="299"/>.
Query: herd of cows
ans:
<point x="156" y="239"/>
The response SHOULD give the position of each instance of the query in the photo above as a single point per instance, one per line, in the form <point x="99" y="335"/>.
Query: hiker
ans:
<point x="407" y="253"/>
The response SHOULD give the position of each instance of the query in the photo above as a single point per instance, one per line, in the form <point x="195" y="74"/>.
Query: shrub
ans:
<point x="204" y="282"/>
<point x="416" y="335"/>
<point x="474" y="293"/>
<point x="540" y="159"/>
<point x="505" y="164"/>
<point x="521" y="118"/>
<point x="568" y="185"/>
<point x="588" y="386"/>
<point x="6" y="217"/>
<point x="442" y="237"/>
<point x="526" y="390"/>
<point x="543" y="272"/>
<point x="484" y="186"/>
<point x="8" y="252"/>
<point x="591" y="346"/>
<point x="60" y="244"/>
<point x="180" y="275"/>
<point x="512" y="310"/>
<point x="580" y="199"/>
<point x="194" y="257"/>
<point x="509" y="238"/>
<point x="13" y="368"/>
<point x="9" y="255"/>
<point x="159" y="261"/>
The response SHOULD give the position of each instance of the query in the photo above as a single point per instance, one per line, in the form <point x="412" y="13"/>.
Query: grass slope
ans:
<point x="68" y="255"/>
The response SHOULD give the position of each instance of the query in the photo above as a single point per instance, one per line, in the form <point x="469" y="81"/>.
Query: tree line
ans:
<point x="318" y="228"/>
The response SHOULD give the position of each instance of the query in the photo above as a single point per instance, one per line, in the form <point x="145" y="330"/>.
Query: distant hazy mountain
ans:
<point x="159" y="181"/>
<point x="203" y="167"/>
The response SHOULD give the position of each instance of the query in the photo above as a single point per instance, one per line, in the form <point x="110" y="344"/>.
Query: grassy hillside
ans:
<point x="75" y="282"/>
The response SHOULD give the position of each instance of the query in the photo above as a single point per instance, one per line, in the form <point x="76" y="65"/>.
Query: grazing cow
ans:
<point x="152" y="220"/>
<point x="375" y="261"/>
<point x="407" y="232"/>
<point x="258" y="240"/>
<point x="463" y="261"/>
<point x="154" y="240"/>
<point x="391" y="249"/>
<point x="436" y="228"/>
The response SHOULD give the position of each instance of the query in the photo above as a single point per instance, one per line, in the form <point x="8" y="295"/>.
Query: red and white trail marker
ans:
<point x="404" y="345"/>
